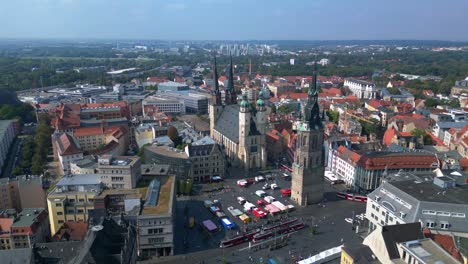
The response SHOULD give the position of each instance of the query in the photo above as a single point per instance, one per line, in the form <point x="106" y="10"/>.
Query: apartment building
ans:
<point x="72" y="199"/>
<point x="66" y="150"/>
<point x="362" y="89"/>
<point x="8" y="132"/>
<point x="119" y="172"/>
<point x="25" y="229"/>
<point x="153" y="104"/>
<point x="22" y="192"/>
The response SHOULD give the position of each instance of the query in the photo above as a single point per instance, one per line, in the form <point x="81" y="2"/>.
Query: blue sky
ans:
<point x="235" y="19"/>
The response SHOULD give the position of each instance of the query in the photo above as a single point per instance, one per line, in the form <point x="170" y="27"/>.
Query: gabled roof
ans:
<point x="228" y="122"/>
<point x="394" y="234"/>
<point x="66" y="145"/>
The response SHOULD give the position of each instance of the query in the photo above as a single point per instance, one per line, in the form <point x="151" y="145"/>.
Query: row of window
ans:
<point x="155" y="231"/>
<point x="432" y="224"/>
<point x="397" y="199"/>
<point x="441" y="213"/>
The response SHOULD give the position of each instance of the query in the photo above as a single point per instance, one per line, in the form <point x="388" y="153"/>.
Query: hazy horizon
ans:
<point x="241" y="20"/>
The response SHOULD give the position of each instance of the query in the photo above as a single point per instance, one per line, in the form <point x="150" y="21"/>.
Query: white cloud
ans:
<point x="176" y="6"/>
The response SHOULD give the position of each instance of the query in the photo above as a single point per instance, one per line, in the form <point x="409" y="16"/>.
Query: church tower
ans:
<point x="230" y="95"/>
<point x="216" y="104"/>
<point x="261" y="114"/>
<point x="244" y="132"/>
<point x="308" y="166"/>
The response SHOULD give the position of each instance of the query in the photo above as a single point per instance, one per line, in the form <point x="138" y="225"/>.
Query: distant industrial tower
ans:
<point x="308" y="166"/>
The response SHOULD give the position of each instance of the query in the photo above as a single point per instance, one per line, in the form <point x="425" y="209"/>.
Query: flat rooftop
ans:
<point x="27" y="217"/>
<point x="165" y="198"/>
<point x="168" y="151"/>
<point x="429" y="192"/>
<point x="154" y="169"/>
<point x="428" y="251"/>
<point x="129" y="193"/>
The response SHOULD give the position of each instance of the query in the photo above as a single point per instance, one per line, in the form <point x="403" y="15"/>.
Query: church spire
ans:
<point x="216" y="97"/>
<point x="312" y="111"/>
<point x="231" y="75"/>
<point x="231" y="96"/>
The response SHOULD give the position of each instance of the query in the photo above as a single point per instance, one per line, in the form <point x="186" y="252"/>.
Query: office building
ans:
<point x="172" y="86"/>
<point x="194" y="102"/>
<point x="439" y="204"/>
<point x="154" y="104"/>
<point x="72" y="199"/>
<point x="155" y="224"/>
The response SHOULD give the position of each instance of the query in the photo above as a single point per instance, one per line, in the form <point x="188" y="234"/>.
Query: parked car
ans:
<point x="266" y="186"/>
<point x="274" y="186"/>
<point x="259" y="179"/>
<point x="241" y="200"/>
<point x="260" y="193"/>
<point x="349" y="220"/>
<point x="261" y="202"/>
<point x="242" y="183"/>
<point x="269" y="199"/>
<point x="285" y="192"/>
<point x="268" y="177"/>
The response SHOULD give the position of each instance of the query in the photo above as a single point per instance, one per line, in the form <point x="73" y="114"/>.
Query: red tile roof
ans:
<point x="294" y="96"/>
<point x="67" y="145"/>
<point x="5" y="226"/>
<point x="115" y="131"/>
<point x="388" y="136"/>
<point x="398" y="161"/>
<point x="71" y="231"/>
<point x="446" y="242"/>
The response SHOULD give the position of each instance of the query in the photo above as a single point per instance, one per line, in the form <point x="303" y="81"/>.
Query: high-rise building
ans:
<point x="308" y="166"/>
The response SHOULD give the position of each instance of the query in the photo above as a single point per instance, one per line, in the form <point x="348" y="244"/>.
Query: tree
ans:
<point x="454" y="103"/>
<point x="431" y="102"/>
<point x="173" y="134"/>
<point x="418" y="132"/>
<point x="285" y="109"/>
<point x="369" y="128"/>
<point x="333" y="115"/>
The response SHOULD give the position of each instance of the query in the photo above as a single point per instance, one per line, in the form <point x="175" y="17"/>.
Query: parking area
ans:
<point x="326" y="226"/>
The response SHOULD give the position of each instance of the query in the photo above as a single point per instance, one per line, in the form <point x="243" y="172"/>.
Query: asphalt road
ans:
<point x="197" y="246"/>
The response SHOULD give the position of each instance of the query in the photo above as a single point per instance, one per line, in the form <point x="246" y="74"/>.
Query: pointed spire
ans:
<point x="216" y="98"/>
<point x="312" y="111"/>
<point x="231" y="75"/>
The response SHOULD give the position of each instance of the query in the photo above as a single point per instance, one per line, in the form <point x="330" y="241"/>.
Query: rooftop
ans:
<point x="429" y="192"/>
<point x="165" y="198"/>
<point x="4" y="124"/>
<point x="79" y="179"/>
<point x="155" y="169"/>
<point x="167" y="151"/>
<point x="428" y="251"/>
<point x="27" y="217"/>
<point x="17" y="256"/>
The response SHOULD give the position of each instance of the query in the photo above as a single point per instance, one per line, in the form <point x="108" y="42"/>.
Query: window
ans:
<point x="60" y="221"/>
<point x="81" y="200"/>
<point x="444" y="225"/>
<point x="156" y="240"/>
<point x="59" y="213"/>
<point x="430" y="224"/>
<point x="58" y="205"/>
<point x="155" y="230"/>
<point x="80" y="211"/>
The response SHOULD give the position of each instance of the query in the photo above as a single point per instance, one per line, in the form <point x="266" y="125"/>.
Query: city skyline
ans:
<point x="235" y="20"/>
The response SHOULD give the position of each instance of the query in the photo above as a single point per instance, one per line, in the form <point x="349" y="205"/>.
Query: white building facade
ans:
<point x="362" y="89"/>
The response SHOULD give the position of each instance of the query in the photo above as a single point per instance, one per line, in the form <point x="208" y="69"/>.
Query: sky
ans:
<point x="236" y="19"/>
